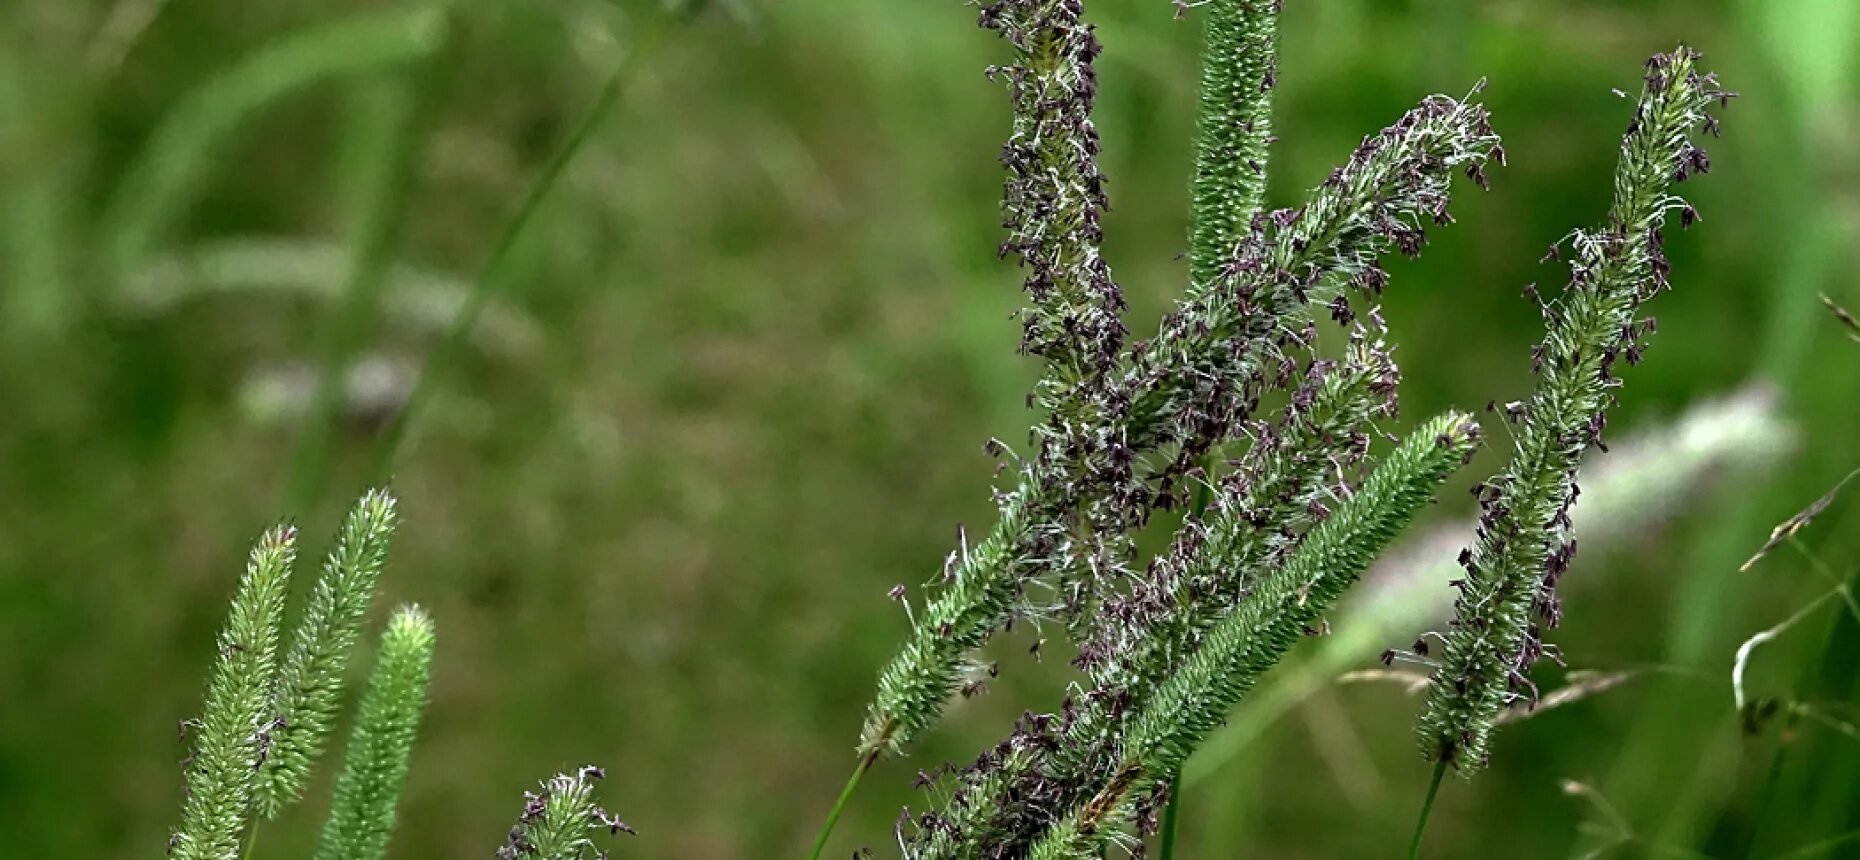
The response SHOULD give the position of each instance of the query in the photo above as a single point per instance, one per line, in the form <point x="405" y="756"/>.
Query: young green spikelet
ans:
<point x="559" y="821"/>
<point x="310" y="682"/>
<point x="1523" y="544"/>
<point x="1233" y="130"/>
<point x="375" y="765"/>
<point x="977" y="596"/>
<point x="1255" y="636"/>
<point x="234" y="736"/>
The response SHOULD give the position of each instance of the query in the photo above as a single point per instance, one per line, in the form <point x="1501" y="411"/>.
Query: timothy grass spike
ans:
<point x="976" y="599"/>
<point x="375" y="764"/>
<point x="559" y="821"/>
<point x="1239" y="71"/>
<point x="1139" y="638"/>
<point x="233" y="737"/>
<point x="1523" y="546"/>
<point x="311" y="680"/>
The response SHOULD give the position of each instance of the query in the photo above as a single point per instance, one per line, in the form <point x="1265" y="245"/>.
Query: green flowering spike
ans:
<point x="1523" y="545"/>
<point x="1255" y="636"/>
<point x="375" y="765"/>
<point x="559" y="822"/>
<point x="1239" y="69"/>
<point x="235" y="734"/>
<point x="310" y="683"/>
<point x="1054" y="193"/>
<point x="975" y="600"/>
<point x="1141" y="637"/>
<point x="1263" y="507"/>
<point x="1222" y="343"/>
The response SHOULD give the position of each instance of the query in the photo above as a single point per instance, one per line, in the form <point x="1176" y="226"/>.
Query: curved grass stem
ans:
<point x="617" y="85"/>
<point x="1427" y="808"/>
<point x="839" y="806"/>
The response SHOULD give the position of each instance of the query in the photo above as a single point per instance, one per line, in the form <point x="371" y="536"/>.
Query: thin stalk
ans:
<point x="1171" y="813"/>
<point x="403" y="112"/>
<point x="839" y="806"/>
<point x="1824" y="656"/>
<point x="1427" y="808"/>
<point x="487" y="283"/>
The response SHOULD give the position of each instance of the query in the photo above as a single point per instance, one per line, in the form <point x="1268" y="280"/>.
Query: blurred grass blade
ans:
<point x="611" y="94"/>
<point x="1787" y="528"/>
<point x="36" y="196"/>
<point x="1843" y="315"/>
<point x="156" y="188"/>
<point x="417" y="300"/>
<point x="391" y="121"/>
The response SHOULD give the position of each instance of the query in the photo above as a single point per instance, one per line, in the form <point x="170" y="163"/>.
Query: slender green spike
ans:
<point x="1239" y="70"/>
<point x="1524" y="544"/>
<point x="310" y="682"/>
<point x="236" y="732"/>
<point x="375" y="764"/>
<point x="975" y="601"/>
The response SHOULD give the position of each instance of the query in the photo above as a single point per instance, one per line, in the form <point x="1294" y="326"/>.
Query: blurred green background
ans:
<point x="736" y="380"/>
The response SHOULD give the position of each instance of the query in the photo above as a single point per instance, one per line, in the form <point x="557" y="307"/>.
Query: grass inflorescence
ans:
<point x="1509" y="592"/>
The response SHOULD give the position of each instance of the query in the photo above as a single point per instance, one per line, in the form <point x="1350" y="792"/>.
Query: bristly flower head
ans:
<point x="1295" y="470"/>
<point x="1523" y="545"/>
<point x="233" y="737"/>
<point x="375" y="766"/>
<point x="1233" y="130"/>
<point x="310" y="681"/>
<point x="1204" y="371"/>
<point x="1054" y="193"/>
<point x="1123" y="432"/>
<point x="559" y="821"/>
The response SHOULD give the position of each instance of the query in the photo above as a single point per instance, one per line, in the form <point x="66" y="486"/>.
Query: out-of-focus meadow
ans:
<point x="736" y="380"/>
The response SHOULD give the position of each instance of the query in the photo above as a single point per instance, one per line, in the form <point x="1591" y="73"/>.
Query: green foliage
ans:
<point x="234" y="735"/>
<point x="311" y="679"/>
<point x="375" y="765"/>
<point x="1524" y="545"/>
